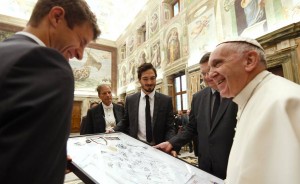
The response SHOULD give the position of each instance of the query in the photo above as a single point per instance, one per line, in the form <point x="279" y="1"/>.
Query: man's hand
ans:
<point x="166" y="147"/>
<point x="69" y="159"/>
<point x="109" y="130"/>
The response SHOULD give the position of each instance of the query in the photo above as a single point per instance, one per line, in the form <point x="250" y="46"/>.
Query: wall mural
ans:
<point x="132" y="71"/>
<point x="167" y="9"/>
<point x="250" y="13"/>
<point x="200" y="32"/>
<point x="202" y="25"/>
<point x="173" y="46"/>
<point x="5" y="34"/>
<point x="130" y="45"/>
<point x="156" y="59"/>
<point x="122" y="78"/>
<point x="154" y="23"/>
<point x="92" y="70"/>
<point x="142" y="58"/>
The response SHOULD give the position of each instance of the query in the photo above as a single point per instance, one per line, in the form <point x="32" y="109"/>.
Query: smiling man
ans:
<point x="266" y="147"/>
<point x="37" y="88"/>
<point x="104" y="116"/>
<point x="212" y="124"/>
<point x="159" y="112"/>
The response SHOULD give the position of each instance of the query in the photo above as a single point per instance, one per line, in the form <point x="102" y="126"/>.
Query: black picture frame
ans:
<point x="87" y="150"/>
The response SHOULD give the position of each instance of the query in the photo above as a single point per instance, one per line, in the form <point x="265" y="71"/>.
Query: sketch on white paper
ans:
<point x="122" y="159"/>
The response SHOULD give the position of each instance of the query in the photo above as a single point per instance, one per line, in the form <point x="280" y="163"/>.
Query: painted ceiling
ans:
<point x="113" y="15"/>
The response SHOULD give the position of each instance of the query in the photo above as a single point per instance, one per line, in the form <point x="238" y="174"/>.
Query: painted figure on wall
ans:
<point x="123" y="78"/>
<point x="254" y="11"/>
<point x="154" y="22"/>
<point x="167" y="12"/>
<point x="132" y="71"/>
<point x="130" y="45"/>
<point x="5" y="34"/>
<point x="200" y="27"/>
<point x="93" y="69"/>
<point x="142" y="58"/>
<point x="173" y="46"/>
<point x="156" y="60"/>
<point x="82" y="73"/>
<point x="250" y="13"/>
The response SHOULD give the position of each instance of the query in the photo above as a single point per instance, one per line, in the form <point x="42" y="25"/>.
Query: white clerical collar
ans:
<point x="151" y="95"/>
<point x="32" y="37"/>
<point x="107" y="107"/>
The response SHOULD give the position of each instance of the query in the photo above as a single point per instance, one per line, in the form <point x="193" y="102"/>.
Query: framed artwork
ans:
<point x="95" y="68"/>
<point x="98" y="65"/>
<point x="103" y="158"/>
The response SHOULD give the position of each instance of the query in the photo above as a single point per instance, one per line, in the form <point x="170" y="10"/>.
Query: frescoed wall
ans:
<point x="199" y="26"/>
<point x="92" y="70"/>
<point x="155" y="55"/>
<point x="154" y="23"/>
<point x="173" y="46"/>
<point x="201" y="31"/>
<point x="5" y="34"/>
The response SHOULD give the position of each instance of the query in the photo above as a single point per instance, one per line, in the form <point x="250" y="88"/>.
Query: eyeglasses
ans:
<point x="97" y="140"/>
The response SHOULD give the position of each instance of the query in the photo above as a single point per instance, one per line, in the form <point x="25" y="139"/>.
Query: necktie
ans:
<point x="148" y="120"/>
<point x="216" y="106"/>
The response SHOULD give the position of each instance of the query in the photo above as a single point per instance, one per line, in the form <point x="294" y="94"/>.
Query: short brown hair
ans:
<point x="98" y="89"/>
<point x="205" y="58"/>
<point x="77" y="12"/>
<point x="144" y="67"/>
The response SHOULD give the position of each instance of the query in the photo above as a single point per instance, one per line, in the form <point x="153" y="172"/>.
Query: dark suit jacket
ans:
<point x="83" y="125"/>
<point x="36" y="100"/>
<point x="163" y="119"/>
<point x="95" y="122"/>
<point x="214" y="143"/>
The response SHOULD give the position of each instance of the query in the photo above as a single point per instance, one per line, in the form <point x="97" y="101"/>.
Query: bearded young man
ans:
<point x="134" y="122"/>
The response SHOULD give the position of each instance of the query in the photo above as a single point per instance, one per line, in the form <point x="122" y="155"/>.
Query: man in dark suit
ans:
<point x="84" y="120"/>
<point x="215" y="137"/>
<point x="161" y="119"/>
<point x="104" y="116"/>
<point x="37" y="90"/>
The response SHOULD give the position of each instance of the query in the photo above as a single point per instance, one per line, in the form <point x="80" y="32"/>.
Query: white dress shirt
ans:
<point x="142" y="116"/>
<point x="109" y="117"/>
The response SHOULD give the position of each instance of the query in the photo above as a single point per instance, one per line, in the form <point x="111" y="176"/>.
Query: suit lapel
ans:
<point x="100" y="112"/>
<point x="136" y="103"/>
<point x="116" y="113"/>
<point x="155" y="109"/>
<point x="221" y="111"/>
<point x="207" y="100"/>
<point x="99" y="117"/>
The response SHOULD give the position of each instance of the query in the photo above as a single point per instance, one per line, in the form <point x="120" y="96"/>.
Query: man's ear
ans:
<point x="56" y="15"/>
<point x="252" y="59"/>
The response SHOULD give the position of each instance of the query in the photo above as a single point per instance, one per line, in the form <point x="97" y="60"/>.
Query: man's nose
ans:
<point x="79" y="53"/>
<point x="212" y="73"/>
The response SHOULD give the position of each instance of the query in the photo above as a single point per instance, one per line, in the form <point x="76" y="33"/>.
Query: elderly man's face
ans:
<point x="105" y="95"/>
<point x="227" y="70"/>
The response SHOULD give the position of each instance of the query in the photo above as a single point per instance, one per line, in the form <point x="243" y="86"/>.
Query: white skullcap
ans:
<point x="245" y="40"/>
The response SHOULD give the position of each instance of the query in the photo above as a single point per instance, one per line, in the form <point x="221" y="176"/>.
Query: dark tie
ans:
<point x="216" y="106"/>
<point x="148" y="120"/>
